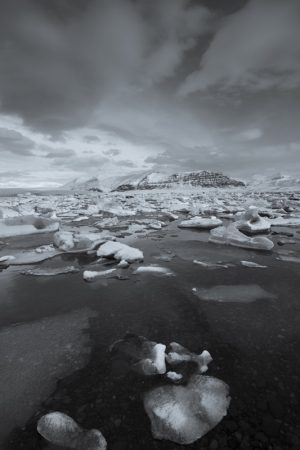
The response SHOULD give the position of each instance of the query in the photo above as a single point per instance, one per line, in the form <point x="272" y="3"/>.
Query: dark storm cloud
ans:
<point x="91" y="139"/>
<point x="14" y="142"/>
<point x="60" y="153"/>
<point x="56" y="66"/>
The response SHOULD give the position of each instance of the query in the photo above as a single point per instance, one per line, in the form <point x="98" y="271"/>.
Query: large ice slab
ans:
<point x="23" y="225"/>
<point x="230" y="235"/>
<point x="205" y="223"/>
<point x="183" y="414"/>
<point x="252" y="223"/>
<point x="120" y="252"/>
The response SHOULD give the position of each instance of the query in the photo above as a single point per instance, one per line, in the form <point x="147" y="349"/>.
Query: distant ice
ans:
<point x="201" y="222"/>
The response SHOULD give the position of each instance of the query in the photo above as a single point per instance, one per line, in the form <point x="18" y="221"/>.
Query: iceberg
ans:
<point x="60" y="429"/>
<point x="201" y="222"/>
<point x="183" y="414"/>
<point x="252" y="223"/>
<point x="120" y="252"/>
<point x="24" y="225"/>
<point x="230" y="235"/>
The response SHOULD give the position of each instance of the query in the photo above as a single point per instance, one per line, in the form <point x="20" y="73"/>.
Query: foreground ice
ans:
<point x="183" y="414"/>
<point x="201" y="222"/>
<point x="50" y="272"/>
<point x="61" y="429"/>
<point x="252" y="223"/>
<point x="243" y="293"/>
<point x="140" y="354"/>
<point x="253" y="265"/>
<point x="71" y="241"/>
<point x="230" y="235"/>
<point x="154" y="270"/>
<point x="23" y="225"/>
<point x="120" y="252"/>
<point x="179" y="354"/>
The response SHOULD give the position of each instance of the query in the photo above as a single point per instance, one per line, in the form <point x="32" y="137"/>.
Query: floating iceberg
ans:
<point x="154" y="269"/>
<point x="230" y="235"/>
<point x="69" y="241"/>
<point x="201" y="222"/>
<point x="23" y="225"/>
<point x="180" y="354"/>
<point x="60" y="429"/>
<point x="140" y="354"/>
<point x="92" y="275"/>
<point x="183" y="414"/>
<point x="243" y="293"/>
<point x="120" y="252"/>
<point x="252" y="223"/>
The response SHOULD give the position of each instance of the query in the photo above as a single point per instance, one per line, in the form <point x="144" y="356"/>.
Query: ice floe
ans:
<point x="154" y="270"/>
<point x="51" y="272"/>
<point x="141" y="355"/>
<point x="120" y="252"/>
<point x="243" y="293"/>
<point x="92" y="275"/>
<point x="60" y="429"/>
<point x="24" y="225"/>
<point x="183" y="414"/>
<point x="285" y="221"/>
<point x="201" y="222"/>
<point x="253" y="265"/>
<point x="230" y="235"/>
<point x="72" y="241"/>
<point x="178" y="354"/>
<point x="208" y="265"/>
<point x="252" y="223"/>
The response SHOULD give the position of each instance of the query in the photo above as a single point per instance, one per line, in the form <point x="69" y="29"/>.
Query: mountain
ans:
<point x="157" y="180"/>
<point x="276" y="182"/>
<point x="84" y="184"/>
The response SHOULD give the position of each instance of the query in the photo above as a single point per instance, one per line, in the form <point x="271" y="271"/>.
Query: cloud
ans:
<point x="112" y="152"/>
<point x="60" y="153"/>
<point x="15" y="142"/>
<point x="255" y="49"/>
<point x="249" y="135"/>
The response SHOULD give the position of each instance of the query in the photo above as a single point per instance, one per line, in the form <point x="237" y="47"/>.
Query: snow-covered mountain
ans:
<point x="157" y="180"/>
<point x="276" y="182"/>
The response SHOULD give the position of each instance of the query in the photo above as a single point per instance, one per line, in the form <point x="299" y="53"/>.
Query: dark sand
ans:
<point x="63" y="362"/>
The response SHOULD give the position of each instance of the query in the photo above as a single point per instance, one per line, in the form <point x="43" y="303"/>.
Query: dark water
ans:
<point x="255" y="346"/>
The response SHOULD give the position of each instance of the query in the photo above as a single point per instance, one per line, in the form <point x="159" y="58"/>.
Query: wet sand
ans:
<point x="255" y="346"/>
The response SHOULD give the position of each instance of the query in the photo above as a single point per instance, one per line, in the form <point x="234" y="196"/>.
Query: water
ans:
<point x="255" y="346"/>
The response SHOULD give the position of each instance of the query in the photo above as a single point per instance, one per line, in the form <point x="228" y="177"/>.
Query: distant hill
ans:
<point x="157" y="180"/>
<point x="276" y="182"/>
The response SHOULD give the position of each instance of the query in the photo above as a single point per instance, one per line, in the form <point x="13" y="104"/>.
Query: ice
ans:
<point x="179" y="354"/>
<point x="23" y="225"/>
<point x="140" y="354"/>
<point x="69" y="241"/>
<point x="252" y="223"/>
<point x="293" y="259"/>
<point x="243" y="293"/>
<point x="80" y="219"/>
<point x="6" y="259"/>
<point x="253" y="264"/>
<point x="50" y="272"/>
<point x="92" y="275"/>
<point x="285" y="222"/>
<point x="60" y="429"/>
<point x="174" y="376"/>
<point x="120" y="252"/>
<point x="154" y="269"/>
<point x="201" y="222"/>
<point x="230" y="235"/>
<point x="208" y="265"/>
<point x="183" y="414"/>
<point x="35" y="256"/>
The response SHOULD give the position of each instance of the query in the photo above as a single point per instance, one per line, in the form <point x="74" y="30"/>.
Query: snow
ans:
<point x="60" y="429"/>
<point x="230" y="235"/>
<point x="91" y="275"/>
<point x="120" y="252"/>
<point x="201" y="222"/>
<point x="243" y="293"/>
<point x="24" y="225"/>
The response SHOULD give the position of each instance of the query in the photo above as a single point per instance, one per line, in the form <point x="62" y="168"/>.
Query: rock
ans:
<point x="183" y="414"/>
<point x="60" y="429"/>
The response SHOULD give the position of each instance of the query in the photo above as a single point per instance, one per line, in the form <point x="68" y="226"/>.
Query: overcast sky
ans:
<point x="104" y="87"/>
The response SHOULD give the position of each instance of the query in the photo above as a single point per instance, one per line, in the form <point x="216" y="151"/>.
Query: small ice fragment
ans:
<point x="92" y="275"/>
<point x="201" y="222"/>
<point x="253" y="264"/>
<point x="50" y="272"/>
<point x="154" y="269"/>
<point x="174" y="376"/>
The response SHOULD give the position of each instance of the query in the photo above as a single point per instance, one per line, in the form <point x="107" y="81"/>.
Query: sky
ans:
<point x="112" y="87"/>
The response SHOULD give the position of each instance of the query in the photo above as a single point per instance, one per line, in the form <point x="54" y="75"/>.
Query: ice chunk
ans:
<point x="69" y="241"/>
<point x="208" y="265"/>
<point x="174" y="376"/>
<point x="179" y="354"/>
<point x="252" y="264"/>
<point x="183" y="414"/>
<point x="252" y="223"/>
<point x="201" y="222"/>
<point x="140" y="354"/>
<point x="154" y="270"/>
<point x="23" y="225"/>
<point x="285" y="222"/>
<point x="230" y="235"/>
<point x="120" y="252"/>
<point x="60" y="429"/>
<point x="92" y="275"/>
<point x="50" y="272"/>
<point x="6" y="259"/>
<point x="243" y="293"/>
